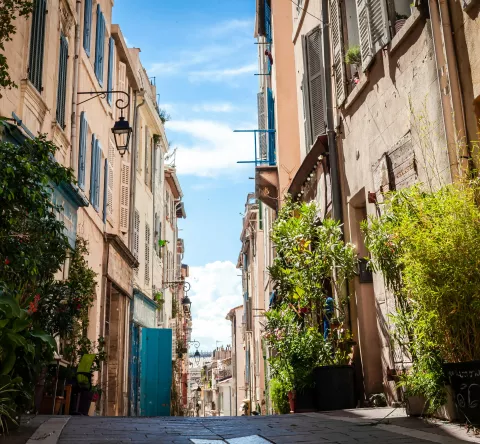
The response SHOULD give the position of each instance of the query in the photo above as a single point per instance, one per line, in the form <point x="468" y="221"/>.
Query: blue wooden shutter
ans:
<point x="268" y="22"/>
<point x="87" y="26"/>
<point x="105" y="188"/>
<point x="37" y="44"/>
<point x="111" y="49"/>
<point x="100" y="46"/>
<point x="82" y="150"/>
<point x="92" y="169"/>
<point x="62" y="81"/>
<point x="98" y="163"/>
<point x="271" y="126"/>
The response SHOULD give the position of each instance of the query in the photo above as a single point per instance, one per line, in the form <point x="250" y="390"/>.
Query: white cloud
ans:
<point x="218" y="75"/>
<point x="231" y="26"/>
<point x="215" y="149"/>
<point x="216" y="288"/>
<point x="220" y="107"/>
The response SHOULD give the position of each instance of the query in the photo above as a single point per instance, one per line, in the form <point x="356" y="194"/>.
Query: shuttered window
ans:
<point x="314" y="83"/>
<point x="136" y="234"/>
<point x="37" y="44"/>
<point x="82" y="150"/>
<point x="262" y="137"/>
<point x="106" y="180"/>
<point x="271" y="126"/>
<point x="100" y="46"/>
<point x="87" y="26"/>
<point x="338" y="51"/>
<point x="306" y="112"/>
<point x="95" y="173"/>
<point x="111" y="52"/>
<point x="147" y="254"/>
<point x="373" y="28"/>
<point x="111" y="166"/>
<point x="148" y="159"/>
<point x="124" y="196"/>
<point x="62" y="81"/>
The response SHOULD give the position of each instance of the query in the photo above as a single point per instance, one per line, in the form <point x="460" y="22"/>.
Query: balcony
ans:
<point x="224" y="374"/>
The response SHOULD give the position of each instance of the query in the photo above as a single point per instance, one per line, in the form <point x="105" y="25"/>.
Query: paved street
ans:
<point x="349" y="427"/>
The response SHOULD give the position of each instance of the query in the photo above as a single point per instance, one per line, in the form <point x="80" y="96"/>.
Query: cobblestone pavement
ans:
<point x="302" y="428"/>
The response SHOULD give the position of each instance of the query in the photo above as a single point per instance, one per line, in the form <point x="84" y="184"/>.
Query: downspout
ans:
<point x="450" y="91"/>
<point x="133" y="168"/>
<point x="76" y="64"/>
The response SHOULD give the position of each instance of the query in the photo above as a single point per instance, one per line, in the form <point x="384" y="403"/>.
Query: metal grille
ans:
<point x="62" y="81"/>
<point x="136" y="234"/>
<point x="147" y="254"/>
<point x="124" y="196"/>
<point x="37" y="44"/>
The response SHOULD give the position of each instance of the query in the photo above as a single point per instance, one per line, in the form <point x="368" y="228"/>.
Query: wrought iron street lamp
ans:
<point x="122" y="129"/>
<point x="187" y="305"/>
<point x="196" y="357"/>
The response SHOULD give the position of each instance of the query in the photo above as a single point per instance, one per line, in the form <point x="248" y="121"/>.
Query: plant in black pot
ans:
<point x="306" y="328"/>
<point x="426" y="245"/>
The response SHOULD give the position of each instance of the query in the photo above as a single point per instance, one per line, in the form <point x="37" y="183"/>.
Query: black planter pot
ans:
<point x="464" y="379"/>
<point x="304" y="400"/>
<point x="334" y="387"/>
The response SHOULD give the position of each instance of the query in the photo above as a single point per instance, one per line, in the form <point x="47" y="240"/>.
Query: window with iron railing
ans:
<point x="37" y="44"/>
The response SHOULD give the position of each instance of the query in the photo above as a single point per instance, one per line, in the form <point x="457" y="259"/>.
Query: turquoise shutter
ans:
<point x="98" y="162"/>
<point x="271" y="126"/>
<point x="105" y="190"/>
<point x="87" y="26"/>
<point x="62" y="81"/>
<point x="268" y="22"/>
<point x="82" y="151"/>
<point x="37" y="44"/>
<point x="92" y="169"/>
<point x="100" y="46"/>
<point x="111" y="49"/>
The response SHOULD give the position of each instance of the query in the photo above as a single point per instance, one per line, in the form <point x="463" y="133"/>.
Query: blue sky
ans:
<point x="203" y="56"/>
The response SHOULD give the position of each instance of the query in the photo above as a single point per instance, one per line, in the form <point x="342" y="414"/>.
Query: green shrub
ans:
<point x="353" y="56"/>
<point x="279" y="396"/>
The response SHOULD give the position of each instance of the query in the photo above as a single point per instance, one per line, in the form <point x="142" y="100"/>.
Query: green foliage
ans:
<point x="279" y="395"/>
<point x="10" y="10"/>
<point x="311" y="266"/>
<point x="353" y="56"/>
<point x="8" y="391"/>
<point x="164" y="116"/>
<point x="427" y="246"/>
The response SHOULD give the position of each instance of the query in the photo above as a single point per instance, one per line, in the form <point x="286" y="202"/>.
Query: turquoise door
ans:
<point x="155" y="371"/>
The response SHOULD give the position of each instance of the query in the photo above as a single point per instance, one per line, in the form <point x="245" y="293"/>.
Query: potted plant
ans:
<point x="353" y="56"/>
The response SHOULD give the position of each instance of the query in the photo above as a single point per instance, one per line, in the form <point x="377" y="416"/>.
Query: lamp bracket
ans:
<point x="120" y="103"/>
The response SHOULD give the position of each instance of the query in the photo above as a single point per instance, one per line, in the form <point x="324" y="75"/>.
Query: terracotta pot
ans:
<point x="291" y="400"/>
<point x="399" y="25"/>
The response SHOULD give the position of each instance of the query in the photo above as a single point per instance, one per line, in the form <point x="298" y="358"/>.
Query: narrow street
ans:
<point x="343" y="427"/>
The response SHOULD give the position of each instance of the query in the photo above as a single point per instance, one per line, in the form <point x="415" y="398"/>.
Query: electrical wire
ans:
<point x="314" y="16"/>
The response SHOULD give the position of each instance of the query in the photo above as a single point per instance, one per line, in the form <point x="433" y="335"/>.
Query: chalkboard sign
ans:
<point x="464" y="378"/>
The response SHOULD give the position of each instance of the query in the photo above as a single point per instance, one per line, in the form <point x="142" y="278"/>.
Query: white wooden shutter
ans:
<point x="124" y="196"/>
<point x="366" y="45"/>
<point x="378" y="24"/>
<point x="111" y="167"/>
<point x="306" y="113"/>
<point x="121" y="82"/>
<point x="147" y="254"/>
<point x="262" y="137"/>
<point x="136" y="234"/>
<point x="315" y="82"/>
<point x="338" y="51"/>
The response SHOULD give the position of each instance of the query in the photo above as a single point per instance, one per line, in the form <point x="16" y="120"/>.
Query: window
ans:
<point x="167" y="204"/>
<point x="100" y="46"/>
<point x="37" y="44"/>
<point x="111" y="52"/>
<point x="147" y="254"/>
<point x="95" y="173"/>
<point x="82" y="150"/>
<point x="87" y="26"/>
<point x="313" y="86"/>
<point x="148" y="159"/>
<point x="62" y="81"/>
<point x="268" y="21"/>
<point x="299" y="7"/>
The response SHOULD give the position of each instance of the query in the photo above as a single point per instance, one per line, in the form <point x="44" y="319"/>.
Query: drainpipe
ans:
<point x="76" y="64"/>
<point x="450" y="91"/>
<point x="133" y="168"/>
